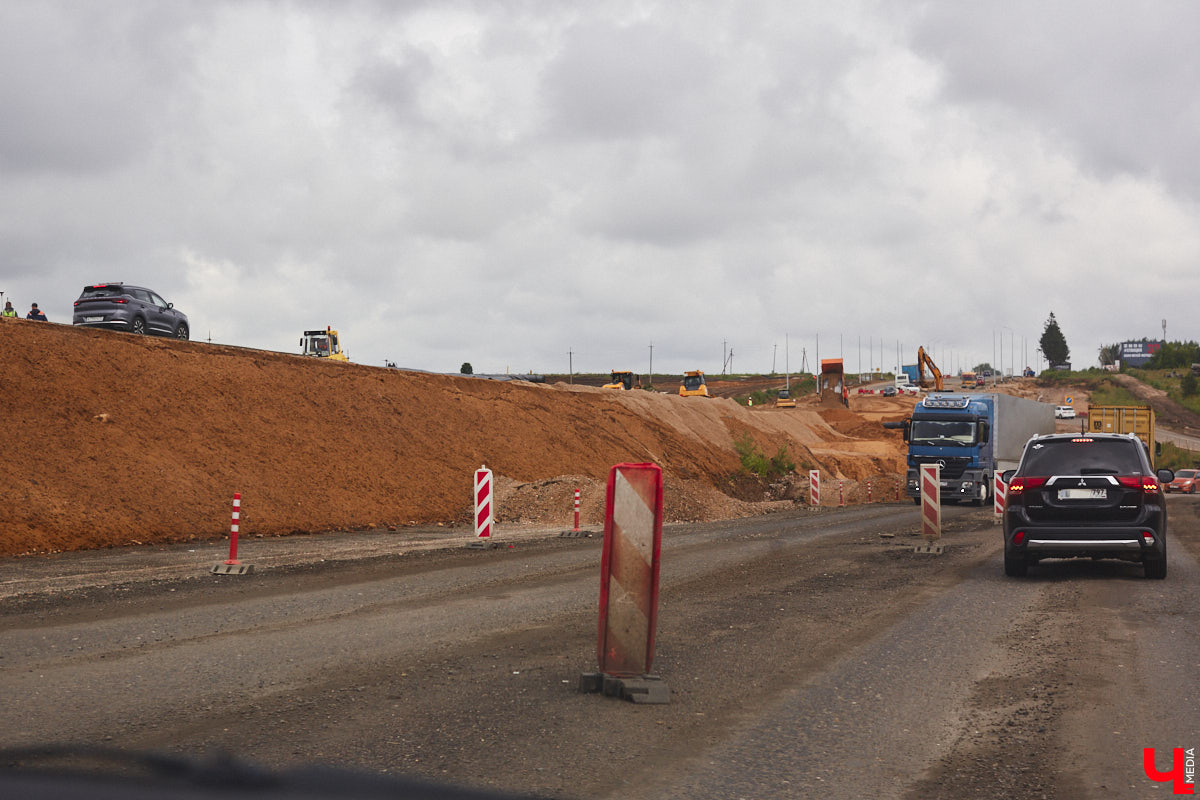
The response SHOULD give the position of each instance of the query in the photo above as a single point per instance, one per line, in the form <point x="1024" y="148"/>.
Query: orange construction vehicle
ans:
<point x="322" y="344"/>
<point x="923" y="360"/>
<point x="831" y="385"/>
<point x="624" y="380"/>
<point x="693" y="384"/>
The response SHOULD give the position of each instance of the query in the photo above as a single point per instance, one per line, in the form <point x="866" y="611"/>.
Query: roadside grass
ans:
<point x="1106" y="393"/>
<point x="1172" y="382"/>
<point x="1176" y="458"/>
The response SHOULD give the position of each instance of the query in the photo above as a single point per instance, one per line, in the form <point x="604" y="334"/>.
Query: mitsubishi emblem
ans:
<point x="1082" y="482"/>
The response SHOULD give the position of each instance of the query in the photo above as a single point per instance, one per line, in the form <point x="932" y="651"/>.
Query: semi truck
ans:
<point x="972" y="437"/>
<point x="1138" y="420"/>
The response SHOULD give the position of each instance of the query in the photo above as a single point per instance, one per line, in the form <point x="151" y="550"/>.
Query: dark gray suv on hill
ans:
<point x="1091" y="495"/>
<point x="131" y="308"/>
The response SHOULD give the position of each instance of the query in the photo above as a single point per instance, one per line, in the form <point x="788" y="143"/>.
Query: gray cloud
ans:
<point x="501" y="182"/>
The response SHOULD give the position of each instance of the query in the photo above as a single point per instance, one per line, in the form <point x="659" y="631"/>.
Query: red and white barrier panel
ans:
<point x="484" y="509"/>
<point x="483" y="503"/>
<point x="841" y="495"/>
<point x="629" y="570"/>
<point x="931" y="508"/>
<point x="576" y="509"/>
<point x="999" y="495"/>
<point x="232" y="566"/>
<point x="814" y="487"/>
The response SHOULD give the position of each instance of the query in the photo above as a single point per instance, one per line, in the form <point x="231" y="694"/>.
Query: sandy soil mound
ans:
<point x="113" y="439"/>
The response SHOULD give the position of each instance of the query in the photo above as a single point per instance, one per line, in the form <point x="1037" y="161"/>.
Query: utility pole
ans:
<point x="570" y="367"/>
<point x="651" y="364"/>
<point x="724" y="355"/>
<point x="774" y="351"/>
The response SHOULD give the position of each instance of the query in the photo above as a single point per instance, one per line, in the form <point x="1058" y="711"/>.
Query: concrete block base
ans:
<point x="649" y="689"/>
<point x="232" y="569"/>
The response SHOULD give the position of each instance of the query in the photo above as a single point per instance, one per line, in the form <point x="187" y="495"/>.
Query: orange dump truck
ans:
<point x="831" y="385"/>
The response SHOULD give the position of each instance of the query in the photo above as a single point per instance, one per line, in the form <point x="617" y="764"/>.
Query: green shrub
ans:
<point x="755" y="462"/>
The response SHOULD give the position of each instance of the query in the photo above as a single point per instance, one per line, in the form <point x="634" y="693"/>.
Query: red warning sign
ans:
<point x="629" y="568"/>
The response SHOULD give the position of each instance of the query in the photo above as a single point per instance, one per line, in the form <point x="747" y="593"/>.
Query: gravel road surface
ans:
<point x="809" y="654"/>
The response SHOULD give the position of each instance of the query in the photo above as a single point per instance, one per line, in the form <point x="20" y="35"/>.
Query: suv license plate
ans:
<point x="1082" y="494"/>
<point x="92" y="319"/>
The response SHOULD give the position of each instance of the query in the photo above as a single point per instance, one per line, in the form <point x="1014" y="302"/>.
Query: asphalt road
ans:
<point x="810" y="654"/>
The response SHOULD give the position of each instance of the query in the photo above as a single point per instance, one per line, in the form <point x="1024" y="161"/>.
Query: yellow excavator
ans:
<point x="923" y="360"/>
<point x="624" y="380"/>
<point x="322" y="344"/>
<point x="693" y="384"/>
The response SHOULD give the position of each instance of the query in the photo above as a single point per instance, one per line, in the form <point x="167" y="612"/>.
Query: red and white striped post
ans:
<point x="931" y="502"/>
<point x="233" y="528"/>
<point x="576" y="509"/>
<point x="868" y="490"/>
<point x="232" y="566"/>
<point x="999" y="495"/>
<point x="841" y="496"/>
<point x="629" y="574"/>
<point x="814" y="487"/>
<point x="483" y="504"/>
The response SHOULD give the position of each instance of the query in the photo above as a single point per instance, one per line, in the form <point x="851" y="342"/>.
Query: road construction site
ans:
<point x="809" y="651"/>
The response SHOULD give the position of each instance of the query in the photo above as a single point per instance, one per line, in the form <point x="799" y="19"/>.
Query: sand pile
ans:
<point x="111" y="439"/>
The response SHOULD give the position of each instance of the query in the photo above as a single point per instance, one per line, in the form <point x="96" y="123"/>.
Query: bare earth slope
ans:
<point x="112" y="439"/>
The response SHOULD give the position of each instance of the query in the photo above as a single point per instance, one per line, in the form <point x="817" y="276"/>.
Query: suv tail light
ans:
<point x="1146" y="484"/>
<point x="1018" y="485"/>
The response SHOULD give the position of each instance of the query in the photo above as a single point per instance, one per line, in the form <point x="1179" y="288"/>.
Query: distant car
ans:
<point x="1064" y="412"/>
<point x="1185" y="481"/>
<point x="889" y="391"/>
<point x="1093" y="496"/>
<point x="131" y="308"/>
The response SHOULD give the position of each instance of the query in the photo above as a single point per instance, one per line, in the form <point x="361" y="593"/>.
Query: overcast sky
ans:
<point x="504" y="182"/>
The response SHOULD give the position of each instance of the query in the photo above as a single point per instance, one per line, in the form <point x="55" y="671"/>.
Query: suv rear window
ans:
<point x="1082" y="456"/>
<point x="102" y="291"/>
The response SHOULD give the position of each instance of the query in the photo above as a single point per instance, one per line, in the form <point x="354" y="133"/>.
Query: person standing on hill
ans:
<point x="8" y="311"/>
<point x="36" y="313"/>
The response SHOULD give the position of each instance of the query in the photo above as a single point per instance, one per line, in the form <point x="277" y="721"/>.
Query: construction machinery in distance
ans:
<point x="784" y="399"/>
<point x="923" y="361"/>
<point x="693" y="384"/>
<point x="624" y="380"/>
<point x="322" y="344"/>
<point x="831" y="385"/>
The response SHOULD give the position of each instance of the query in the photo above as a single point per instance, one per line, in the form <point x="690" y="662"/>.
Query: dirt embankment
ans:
<point x="112" y="439"/>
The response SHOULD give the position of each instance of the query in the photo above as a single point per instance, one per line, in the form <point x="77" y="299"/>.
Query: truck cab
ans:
<point x="971" y="437"/>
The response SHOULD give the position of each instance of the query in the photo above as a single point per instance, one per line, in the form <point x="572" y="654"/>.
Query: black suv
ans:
<point x="131" y="308"/>
<point x="1089" y="495"/>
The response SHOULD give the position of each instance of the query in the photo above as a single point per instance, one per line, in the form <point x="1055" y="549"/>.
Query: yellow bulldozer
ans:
<point x="624" y="380"/>
<point x="322" y="344"/>
<point x="693" y="384"/>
